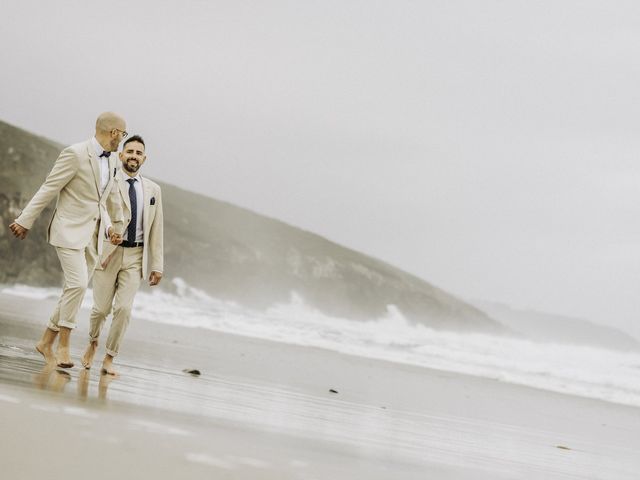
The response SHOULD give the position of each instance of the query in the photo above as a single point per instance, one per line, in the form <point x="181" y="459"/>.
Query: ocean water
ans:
<point x="592" y="372"/>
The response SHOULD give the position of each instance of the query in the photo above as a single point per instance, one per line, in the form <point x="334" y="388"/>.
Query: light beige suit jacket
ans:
<point x="74" y="181"/>
<point x="152" y="224"/>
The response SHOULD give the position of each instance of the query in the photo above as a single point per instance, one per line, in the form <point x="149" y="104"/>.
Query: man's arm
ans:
<point x="112" y="217"/>
<point x="64" y="169"/>
<point x="156" y="240"/>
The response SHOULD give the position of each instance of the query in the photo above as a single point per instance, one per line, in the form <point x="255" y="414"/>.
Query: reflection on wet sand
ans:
<point x="83" y="383"/>
<point x="55" y="380"/>
<point x="19" y="367"/>
<point x="50" y="378"/>
<point x="103" y="384"/>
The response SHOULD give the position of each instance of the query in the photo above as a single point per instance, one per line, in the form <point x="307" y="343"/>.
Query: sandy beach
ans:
<point x="268" y="410"/>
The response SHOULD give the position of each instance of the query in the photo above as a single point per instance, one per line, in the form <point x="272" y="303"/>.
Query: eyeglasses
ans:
<point x="123" y="132"/>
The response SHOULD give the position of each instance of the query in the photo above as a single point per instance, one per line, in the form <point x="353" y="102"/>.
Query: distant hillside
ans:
<point x="230" y="252"/>
<point x="546" y="327"/>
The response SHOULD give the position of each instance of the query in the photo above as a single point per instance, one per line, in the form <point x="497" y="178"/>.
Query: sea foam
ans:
<point x="578" y="370"/>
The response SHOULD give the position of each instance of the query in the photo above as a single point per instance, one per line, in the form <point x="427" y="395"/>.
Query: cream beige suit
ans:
<point x="117" y="279"/>
<point x="82" y="210"/>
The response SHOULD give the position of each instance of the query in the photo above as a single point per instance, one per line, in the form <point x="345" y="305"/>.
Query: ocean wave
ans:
<point x="578" y="370"/>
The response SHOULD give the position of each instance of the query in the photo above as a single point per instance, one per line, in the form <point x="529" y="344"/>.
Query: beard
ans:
<point x="131" y="165"/>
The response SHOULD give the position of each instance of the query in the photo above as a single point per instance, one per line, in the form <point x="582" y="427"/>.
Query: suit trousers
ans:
<point x="78" y="266"/>
<point x="116" y="285"/>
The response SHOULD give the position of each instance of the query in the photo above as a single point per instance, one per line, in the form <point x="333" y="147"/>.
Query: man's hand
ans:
<point x="115" y="238"/>
<point x="155" y="278"/>
<point x="18" y="230"/>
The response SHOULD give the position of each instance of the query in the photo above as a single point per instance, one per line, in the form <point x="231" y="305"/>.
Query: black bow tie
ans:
<point x="105" y="154"/>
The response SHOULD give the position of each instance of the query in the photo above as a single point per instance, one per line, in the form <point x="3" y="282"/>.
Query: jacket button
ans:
<point x="95" y="218"/>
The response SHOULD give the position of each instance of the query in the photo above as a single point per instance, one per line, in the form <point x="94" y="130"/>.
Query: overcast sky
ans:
<point x="489" y="147"/>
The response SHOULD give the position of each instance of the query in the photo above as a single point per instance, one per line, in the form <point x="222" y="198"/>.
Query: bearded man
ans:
<point x="140" y="255"/>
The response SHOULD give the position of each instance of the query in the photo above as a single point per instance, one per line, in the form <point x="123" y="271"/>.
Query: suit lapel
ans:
<point x="124" y="192"/>
<point x="94" y="165"/>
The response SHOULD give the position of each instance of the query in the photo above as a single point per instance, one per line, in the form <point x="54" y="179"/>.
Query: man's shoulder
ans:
<point x="151" y="183"/>
<point x="78" y="148"/>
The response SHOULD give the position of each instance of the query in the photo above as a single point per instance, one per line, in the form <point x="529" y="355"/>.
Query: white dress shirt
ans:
<point x="104" y="164"/>
<point x="140" y="207"/>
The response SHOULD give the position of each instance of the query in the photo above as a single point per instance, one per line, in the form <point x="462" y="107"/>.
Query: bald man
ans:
<point x="81" y="181"/>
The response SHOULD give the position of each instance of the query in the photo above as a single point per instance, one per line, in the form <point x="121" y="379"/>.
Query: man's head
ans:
<point x="132" y="155"/>
<point x="110" y="130"/>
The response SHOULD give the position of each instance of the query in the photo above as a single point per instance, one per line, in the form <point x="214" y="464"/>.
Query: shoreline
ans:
<point x="196" y="337"/>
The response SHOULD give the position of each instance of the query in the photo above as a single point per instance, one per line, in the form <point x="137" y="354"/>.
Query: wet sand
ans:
<point x="265" y="410"/>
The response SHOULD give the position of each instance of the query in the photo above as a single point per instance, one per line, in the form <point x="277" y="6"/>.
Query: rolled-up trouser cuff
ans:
<point x="53" y="327"/>
<point x="112" y="353"/>
<point x="66" y="324"/>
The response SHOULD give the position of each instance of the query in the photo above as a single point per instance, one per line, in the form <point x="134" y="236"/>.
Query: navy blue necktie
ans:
<point x="105" y="154"/>
<point x="133" y="199"/>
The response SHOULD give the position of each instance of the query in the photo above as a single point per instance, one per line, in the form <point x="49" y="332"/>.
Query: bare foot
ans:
<point x="63" y="359"/>
<point x="107" y="366"/>
<point x="44" y="349"/>
<point x="89" y="353"/>
<point x="109" y="371"/>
